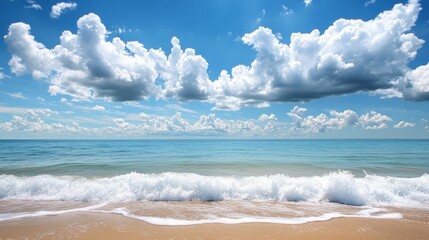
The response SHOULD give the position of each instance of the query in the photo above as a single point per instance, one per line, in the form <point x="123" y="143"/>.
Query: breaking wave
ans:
<point x="339" y="187"/>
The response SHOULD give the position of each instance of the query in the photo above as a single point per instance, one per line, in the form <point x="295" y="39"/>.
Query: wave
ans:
<point x="339" y="187"/>
<point x="367" y="213"/>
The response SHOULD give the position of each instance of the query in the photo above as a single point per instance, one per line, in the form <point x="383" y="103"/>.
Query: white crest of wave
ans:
<point x="341" y="187"/>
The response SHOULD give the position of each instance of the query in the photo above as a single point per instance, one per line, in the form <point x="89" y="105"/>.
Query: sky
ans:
<point x="287" y="69"/>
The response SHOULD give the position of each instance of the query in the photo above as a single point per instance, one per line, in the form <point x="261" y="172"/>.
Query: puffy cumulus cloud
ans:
<point x="415" y="85"/>
<point x="296" y="113"/>
<point x="146" y="125"/>
<point x="185" y="74"/>
<point x="307" y="2"/>
<point x="350" y="56"/>
<point x="335" y="120"/>
<point x="85" y="65"/>
<point x="62" y="7"/>
<point x="374" y="120"/>
<point x="30" y="121"/>
<point x="98" y="108"/>
<point x="265" y="117"/>
<point x="321" y="123"/>
<point x="35" y="120"/>
<point x="403" y="124"/>
<point x="28" y="56"/>
<point x="205" y="125"/>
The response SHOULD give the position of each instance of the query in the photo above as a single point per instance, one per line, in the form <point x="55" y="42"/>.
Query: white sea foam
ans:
<point x="367" y="213"/>
<point x="340" y="187"/>
<point x="11" y="216"/>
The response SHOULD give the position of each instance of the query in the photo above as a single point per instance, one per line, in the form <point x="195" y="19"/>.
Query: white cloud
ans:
<point x="62" y="7"/>
<point x="180" y="108"/>
<point x="350" y="56"/>
<point x="369" y="2"/>
<point x="374" y="120"/>
<point x="415" y="85"/>
<point x="30" y="121"/>
<point x="286" y="11"/>
<point x="335" y="120"/>
<point x="403" y="124"/>
<point x="98" y="108"/>
<point x="40" y="99"/>
<point x="121" y="30"/>
<point x="17" y="95"/>
<point x="307" y="2"/>
<point x="85" y="65"/>
<point x="185" y="74"/>
<point x="321" y="123"/>
<point x="34" y="120"/>
<point x="144" y="116"/>
<point x="296" y="112"/>
<point x="29" y="56"/>
<point x="33" y="5"/>
<point x="19" y="110"/>
<point x="143" y="124"/>
<point x="206" y="125"/>
<point x="261" y="17"/>
<point x="265" y="117"/>
<point x="66" y="101"/>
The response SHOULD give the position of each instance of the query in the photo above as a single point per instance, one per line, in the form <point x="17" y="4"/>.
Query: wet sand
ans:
<point x="108" y="226"/>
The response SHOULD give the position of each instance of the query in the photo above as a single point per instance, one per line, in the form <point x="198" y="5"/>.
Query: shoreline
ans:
<point x="85" y="225"/>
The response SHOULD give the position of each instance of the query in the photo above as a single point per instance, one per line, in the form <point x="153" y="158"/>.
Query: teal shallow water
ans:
<point x="212" y="180"/>
<point x="98" y="158"/>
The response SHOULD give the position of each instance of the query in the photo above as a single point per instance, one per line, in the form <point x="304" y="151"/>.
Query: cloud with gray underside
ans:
<point x="349" y="56"/>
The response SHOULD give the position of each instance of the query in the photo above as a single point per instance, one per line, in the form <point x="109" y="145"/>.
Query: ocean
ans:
<point x="185" y="182"/>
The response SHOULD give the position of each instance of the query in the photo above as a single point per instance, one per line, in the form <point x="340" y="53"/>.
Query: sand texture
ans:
<point x="108" y="226"/>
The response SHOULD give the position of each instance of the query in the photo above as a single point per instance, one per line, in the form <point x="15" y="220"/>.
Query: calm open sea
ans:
<point x="203" y="181"/>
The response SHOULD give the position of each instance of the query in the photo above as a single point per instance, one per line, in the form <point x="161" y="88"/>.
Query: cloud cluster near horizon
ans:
<point x="339" y="120"/>
<point x="268" y="125"/>
<point x="350" y="56"/>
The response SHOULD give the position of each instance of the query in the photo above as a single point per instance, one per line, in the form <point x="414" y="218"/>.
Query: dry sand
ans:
<point x="108" y="226"/>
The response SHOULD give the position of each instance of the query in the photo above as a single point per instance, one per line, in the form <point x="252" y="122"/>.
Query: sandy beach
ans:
<point x="108" y="226"/>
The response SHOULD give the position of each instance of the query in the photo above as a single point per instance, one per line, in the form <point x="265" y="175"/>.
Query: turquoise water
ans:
<point x="182" y="182"/>
<point x="106" y="158"/>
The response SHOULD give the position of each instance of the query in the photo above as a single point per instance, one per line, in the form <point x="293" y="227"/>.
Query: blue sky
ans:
<point x="214" y="69"/>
